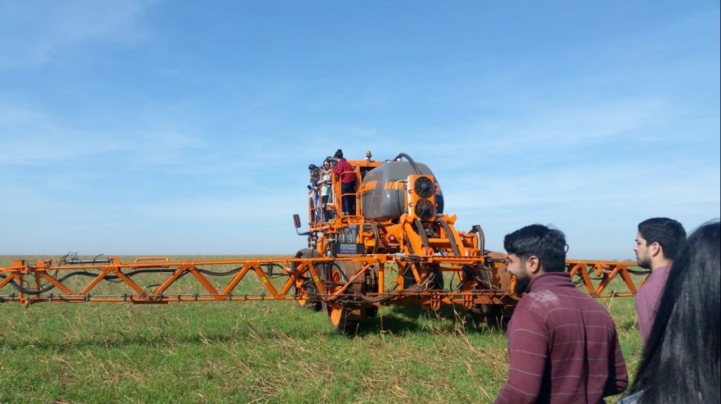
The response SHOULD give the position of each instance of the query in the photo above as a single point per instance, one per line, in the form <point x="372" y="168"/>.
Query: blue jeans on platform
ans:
<point x="348" y="200"/>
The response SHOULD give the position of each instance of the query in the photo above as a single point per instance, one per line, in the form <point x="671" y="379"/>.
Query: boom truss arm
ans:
<point x="28" y="284"/>
<point x="595" y="276"/>
<point x="116" y="281"/>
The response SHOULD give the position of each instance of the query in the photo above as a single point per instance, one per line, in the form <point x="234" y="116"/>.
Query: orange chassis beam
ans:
<point x="44" y="282"/>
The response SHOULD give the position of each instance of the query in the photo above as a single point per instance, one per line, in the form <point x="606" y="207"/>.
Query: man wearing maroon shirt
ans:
<point x="348" y="182"/>
<point x="657" y="244"/>
<point x="562" y="344"/>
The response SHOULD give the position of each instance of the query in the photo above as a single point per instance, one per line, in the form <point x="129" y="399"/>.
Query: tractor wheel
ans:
<point x="343" y="318"/>
<point x="489" y="314"/>
<point x="304" y="287"/>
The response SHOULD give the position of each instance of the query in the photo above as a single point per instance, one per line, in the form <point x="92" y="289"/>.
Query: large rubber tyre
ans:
<point x="305" y="287"/>
<point x="343" y="318"/>
<point x="488" y="314"/>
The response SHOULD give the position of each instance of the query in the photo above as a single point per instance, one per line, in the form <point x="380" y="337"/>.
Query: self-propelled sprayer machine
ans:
<point x="395" y="246"/>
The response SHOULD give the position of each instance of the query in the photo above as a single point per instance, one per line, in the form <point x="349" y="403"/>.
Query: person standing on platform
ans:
<point x="348" y="182"/>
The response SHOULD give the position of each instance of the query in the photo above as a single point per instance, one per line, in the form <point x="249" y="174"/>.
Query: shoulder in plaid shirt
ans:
<point x="344" y="166"/>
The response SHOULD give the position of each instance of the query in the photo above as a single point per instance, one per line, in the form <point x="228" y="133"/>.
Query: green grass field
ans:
<point x="243" y="352"/>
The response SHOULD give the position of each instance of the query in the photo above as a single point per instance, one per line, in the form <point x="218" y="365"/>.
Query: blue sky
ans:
<point x="171" y="127"/>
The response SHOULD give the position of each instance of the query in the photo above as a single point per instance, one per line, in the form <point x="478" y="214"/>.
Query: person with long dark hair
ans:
<point x="681" y="362"/>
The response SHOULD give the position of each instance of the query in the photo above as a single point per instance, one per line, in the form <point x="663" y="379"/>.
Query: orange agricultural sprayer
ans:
<point x="393" y="245"/>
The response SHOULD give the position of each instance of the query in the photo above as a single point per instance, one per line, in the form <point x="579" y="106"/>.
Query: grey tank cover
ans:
<point x="389" y="202"/>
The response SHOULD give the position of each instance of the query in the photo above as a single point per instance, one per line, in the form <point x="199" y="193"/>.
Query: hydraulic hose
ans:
<point x="410" y="160"/>
<point x="452" y="239"/>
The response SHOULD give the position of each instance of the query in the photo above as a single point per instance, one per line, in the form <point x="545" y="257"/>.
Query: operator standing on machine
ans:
<point x="348" y="182"/>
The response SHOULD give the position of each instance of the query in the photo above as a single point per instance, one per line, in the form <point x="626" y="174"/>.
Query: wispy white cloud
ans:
<point x="595" y="204"/>
<point x="34" y="33"/>
<point x="553" y="130"/>
<point x="33" y="137"/>
<point x="580" y="124"/>
<point x="232" y="207"/>
<point x="617" y="183"/>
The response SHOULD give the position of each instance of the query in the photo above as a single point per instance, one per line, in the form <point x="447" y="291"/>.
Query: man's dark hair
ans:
<point x="549" y="245"/>
<point x="338" y="154"/>
<point x="666" y="232"/>
<point x="680" y="362"/>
